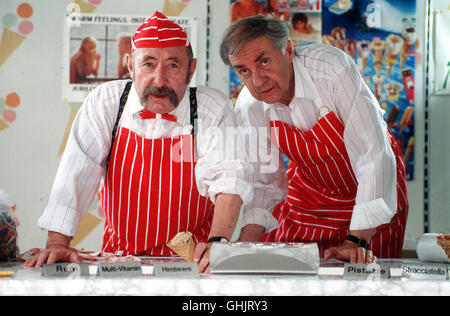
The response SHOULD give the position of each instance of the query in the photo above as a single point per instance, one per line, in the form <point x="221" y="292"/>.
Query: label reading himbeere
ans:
<point x="176" y="269"/>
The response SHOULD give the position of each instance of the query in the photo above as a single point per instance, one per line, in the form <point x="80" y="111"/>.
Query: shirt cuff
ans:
<point x="370" y="215"/>
<point x="239" y="187"/>
<point x="60" y="219"/>
<point x="260" y="217"/>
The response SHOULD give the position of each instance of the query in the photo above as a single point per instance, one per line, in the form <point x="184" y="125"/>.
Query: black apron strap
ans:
<point x="193" y="108"/>
<point x="193" y="102"/>
<point x="123" y="101"/>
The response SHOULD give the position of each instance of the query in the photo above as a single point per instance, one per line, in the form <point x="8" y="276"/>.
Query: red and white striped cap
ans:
<point x="159" y="31"/>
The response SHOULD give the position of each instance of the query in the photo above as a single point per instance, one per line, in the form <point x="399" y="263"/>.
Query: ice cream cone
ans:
<point x="62" y="146"/>
<point x="409" y="39"/>
<point x="378" y="47"/>
<point x="405" y="49"/>
<point x="9" y="42"/>
<point x="3" y="125"/>
<point x="183" y="245"/>
<point x="85" y="7"/>
<point x="363" y="51"/>
<point x="173" y="10"/>
<point x="377" y="65"/>
<point x="444" y="241"/>
<point x="350" y="47"/>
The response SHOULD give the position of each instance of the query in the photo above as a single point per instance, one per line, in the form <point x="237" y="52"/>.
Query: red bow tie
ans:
<point x="146" y="114"/>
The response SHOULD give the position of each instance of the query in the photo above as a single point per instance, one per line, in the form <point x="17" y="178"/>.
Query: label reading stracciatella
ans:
<point x="424" y="271"/>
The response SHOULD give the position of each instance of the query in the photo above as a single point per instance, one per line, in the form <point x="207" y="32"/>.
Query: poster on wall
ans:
<point x="441" y="52"/>
<point x="381" y="36"/>
<point x="303" y="17"/>
<point x="95" y="49"/>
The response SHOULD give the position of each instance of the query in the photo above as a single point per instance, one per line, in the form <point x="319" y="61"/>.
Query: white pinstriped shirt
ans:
<point x="326" y="79"/>
<point x="221" y="166"/>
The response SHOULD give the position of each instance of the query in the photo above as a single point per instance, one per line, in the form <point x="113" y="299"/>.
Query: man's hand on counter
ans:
<point x="349" y="251"/>
<point x="56" y="250"/>
<point x="201" y="256"/>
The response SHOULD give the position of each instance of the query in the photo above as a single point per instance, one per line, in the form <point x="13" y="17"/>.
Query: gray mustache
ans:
<point x="160" y="92"/>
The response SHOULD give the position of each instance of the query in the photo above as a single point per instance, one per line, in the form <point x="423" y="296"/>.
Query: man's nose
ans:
<point x="159" y="76"/>
<point x="259" y="79"/>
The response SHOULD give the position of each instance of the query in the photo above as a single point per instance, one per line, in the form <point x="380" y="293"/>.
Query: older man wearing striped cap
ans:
<point x="160" y="173"/>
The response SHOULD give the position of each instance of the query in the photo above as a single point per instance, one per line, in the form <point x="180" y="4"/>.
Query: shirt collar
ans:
<point x="304" y="85"/>
<point x="134" y="105"/>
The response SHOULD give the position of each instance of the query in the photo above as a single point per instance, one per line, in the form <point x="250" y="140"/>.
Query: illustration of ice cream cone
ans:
<point x="378" y="47"/>
<point x="173" y="7"/>
<point x="8" y="114"/>
<point x="3" y="125"/>
<point x="183" y="245"/>
<point x="8" y="44"/>
<point x="409" y="149"/>
<point x="394" y="45"/>
<point x="350" y="47"/>
<point x="72" y="115"/>
<point x="339" y="36"/>
<point x="393" y="90"/>
<point x="409" y="39"/>
<point x="87" y="7"/>
<point x="378" y="86"/>
<point x="363" y="50"/>
<point x="11" y="38"/>
<point x="327" y="39"/>
<point x="406" y="118"/>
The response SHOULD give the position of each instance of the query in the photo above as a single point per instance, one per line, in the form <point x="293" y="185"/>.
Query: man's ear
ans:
<point x="192" y="70"/>
<point x="290" y="53"/>
<point x="130" y="65"/>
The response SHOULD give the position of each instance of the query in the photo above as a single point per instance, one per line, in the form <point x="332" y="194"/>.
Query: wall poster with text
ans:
<point x="96" y="46"/>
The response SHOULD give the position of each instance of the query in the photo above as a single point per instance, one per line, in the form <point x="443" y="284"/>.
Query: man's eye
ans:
<point x="243" y="71"/>
<point x="148" y="64"/>
<point x="265" y="61"/>
<point x="173" y="66"/>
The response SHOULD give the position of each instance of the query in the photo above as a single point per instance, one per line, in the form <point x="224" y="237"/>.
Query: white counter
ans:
<point x="28" y="281"/>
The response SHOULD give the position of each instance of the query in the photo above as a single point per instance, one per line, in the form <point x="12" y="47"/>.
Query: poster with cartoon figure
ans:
<point x="381" y="36"/>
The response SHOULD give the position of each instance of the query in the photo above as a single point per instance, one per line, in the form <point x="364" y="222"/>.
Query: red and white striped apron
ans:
<point x="322" y="190"/>
<point x="150" y="194"/>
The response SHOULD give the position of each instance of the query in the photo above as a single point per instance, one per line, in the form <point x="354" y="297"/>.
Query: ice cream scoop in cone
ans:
<point x="183" y="245"/>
